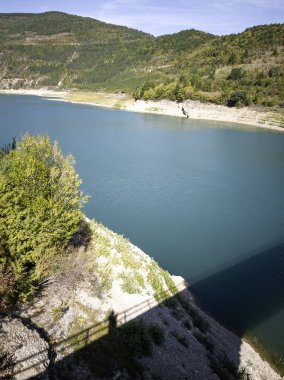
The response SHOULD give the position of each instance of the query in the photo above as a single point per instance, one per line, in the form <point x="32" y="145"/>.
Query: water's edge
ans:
<point x="193" y="110"/>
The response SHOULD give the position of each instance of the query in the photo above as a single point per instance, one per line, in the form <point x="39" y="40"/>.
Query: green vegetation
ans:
<point x="171" y="303"/>
<point x="157" y="334"/>
<point x="157" y="283"/>
<point x="186" y="323"/>
<point x="113" y="348"/>
<point x="138" y="340"/>
<point x="153" y="109"/>
<point x="226" y="369"/>
<point x="197" y="320"/>
<point x="102" y="245"/>
<point x="180" y="338"/>
<point x="203" y="339"/>
<point x="130" y="284"/>
<point x="40" y="213"/>
<point x="136" y="272"/>
<point x="65" y="51"/>
<point x="127" y="257"/>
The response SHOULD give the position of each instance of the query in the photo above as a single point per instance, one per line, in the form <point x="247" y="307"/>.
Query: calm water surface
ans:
<point x="204" y="199"/>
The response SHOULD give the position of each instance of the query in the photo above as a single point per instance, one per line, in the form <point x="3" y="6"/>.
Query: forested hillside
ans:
<point x="58" y="50"/>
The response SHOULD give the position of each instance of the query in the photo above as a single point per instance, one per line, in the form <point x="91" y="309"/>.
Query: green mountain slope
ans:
<point x="65" y="51"/>
<point x="251" y="62"/>
<point x="55" y="47"/>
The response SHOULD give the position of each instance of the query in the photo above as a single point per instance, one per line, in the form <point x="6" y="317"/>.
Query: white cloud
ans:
<point x="165" y="16"/>
<point x="159" y="19"/>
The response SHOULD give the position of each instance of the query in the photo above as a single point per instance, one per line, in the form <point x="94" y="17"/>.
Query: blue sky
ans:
<point x="164" y="16"/>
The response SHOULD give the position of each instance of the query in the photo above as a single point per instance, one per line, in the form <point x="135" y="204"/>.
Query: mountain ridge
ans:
<point x="62" y="51"/>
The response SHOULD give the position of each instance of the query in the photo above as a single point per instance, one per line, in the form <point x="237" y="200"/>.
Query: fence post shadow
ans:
<point x="113" y="346"/>
<point x="104" y="348"/>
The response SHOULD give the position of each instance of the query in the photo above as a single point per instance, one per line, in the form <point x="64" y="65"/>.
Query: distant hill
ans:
<point x="59" y="50"/>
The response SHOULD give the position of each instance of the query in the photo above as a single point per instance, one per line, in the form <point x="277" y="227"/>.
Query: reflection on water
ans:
<point x="195" y="195"/>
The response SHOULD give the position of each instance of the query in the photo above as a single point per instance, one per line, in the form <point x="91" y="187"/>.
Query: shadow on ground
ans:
<point x="240" y="296"/>
<point x="178" y="344"/>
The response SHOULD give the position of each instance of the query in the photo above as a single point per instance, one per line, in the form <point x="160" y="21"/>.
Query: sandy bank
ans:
<point x="39" y="92"/>
<point x="188" y="109"/>
<point x="197" y="110"/>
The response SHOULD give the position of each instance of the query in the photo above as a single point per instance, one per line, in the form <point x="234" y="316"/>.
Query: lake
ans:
<point x="205" y="199"/>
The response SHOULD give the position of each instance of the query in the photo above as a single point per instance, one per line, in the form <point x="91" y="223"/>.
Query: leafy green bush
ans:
<point x="137" y="339"/>
<point x="40" y="210"/>
<point x="236" y="73"/>
<point x="238" y="98"/>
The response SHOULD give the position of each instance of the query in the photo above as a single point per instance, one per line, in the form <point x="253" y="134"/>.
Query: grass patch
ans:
<point x="121" y="245"/>
<point x="106" y="276"/>
<point x="137" y="339"/>
<point x="115" y="261"/>
<point x="197" y="320"/>
<point x="129" y="285"/>
<point x="169" y="282"/>
<point x="101" y="98"/>
<point x="180" y="338"/>
<point x="178" y="314"/>
<point x="102" y="245"/>
<point x="203" y="339"/>
<point x="139" y="279"/>
<point x="118" y="105"/>
<point x="57" y="313"/>
<point x="275" y="119"/>
<point x="186" y="324"/>
<point x="156" y="280"/>
<point x="157" y="334"/>
<point x="171" y="303"/>
<point x="153" y="109"/>
<point x="225" y="369"/>
<point x="128" y="259"/>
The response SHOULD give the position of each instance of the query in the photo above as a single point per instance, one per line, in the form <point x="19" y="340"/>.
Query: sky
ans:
<point x="164" y="16"/>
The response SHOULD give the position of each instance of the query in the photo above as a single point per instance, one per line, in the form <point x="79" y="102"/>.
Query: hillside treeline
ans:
<point x="58" y="50"/>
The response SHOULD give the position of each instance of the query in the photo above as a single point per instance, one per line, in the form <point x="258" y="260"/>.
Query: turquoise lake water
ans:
<point x="205" y="199"/>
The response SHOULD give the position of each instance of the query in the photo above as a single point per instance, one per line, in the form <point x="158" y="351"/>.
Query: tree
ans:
<point x="233" y="59"/>
<point x="40" y="209"/>
<point x="238" y="99"/>
<point x="236" y="73"/>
